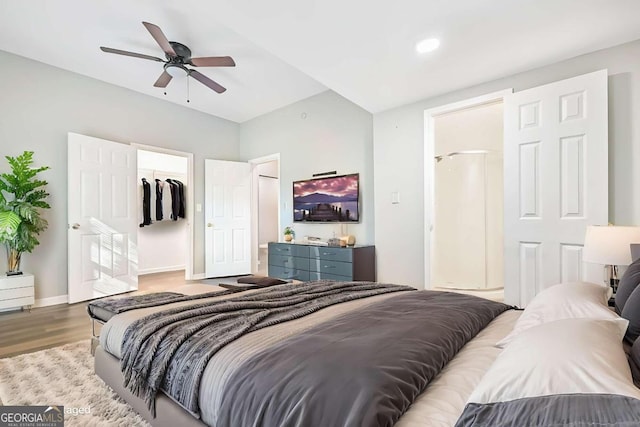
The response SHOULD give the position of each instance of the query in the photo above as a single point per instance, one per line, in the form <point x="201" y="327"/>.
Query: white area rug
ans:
<point x="64" y="376"/>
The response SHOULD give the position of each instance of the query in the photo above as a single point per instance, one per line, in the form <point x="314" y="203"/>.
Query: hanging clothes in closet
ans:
<point x="166" y="202"/>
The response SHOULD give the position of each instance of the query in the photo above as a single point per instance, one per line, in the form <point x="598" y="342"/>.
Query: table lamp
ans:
<point x="610" y="245"/>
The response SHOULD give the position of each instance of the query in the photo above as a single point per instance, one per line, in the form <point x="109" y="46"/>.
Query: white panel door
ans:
<point x="556" y="181"/>
<point x="227" y="218"/>
<point x="103" y="226"/>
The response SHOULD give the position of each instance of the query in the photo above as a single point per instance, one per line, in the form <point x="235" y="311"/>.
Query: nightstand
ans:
<point x="16" y="291"/>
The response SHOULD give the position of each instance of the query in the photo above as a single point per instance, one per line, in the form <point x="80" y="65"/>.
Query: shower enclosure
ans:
<point x="467" y="237"/>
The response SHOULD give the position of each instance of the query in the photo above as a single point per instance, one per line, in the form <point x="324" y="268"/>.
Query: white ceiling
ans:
<point x="68" y="34"/>
<point x="362" y="49"/>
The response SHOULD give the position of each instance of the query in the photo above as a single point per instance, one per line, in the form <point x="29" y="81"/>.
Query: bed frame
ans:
<point x="168" y="413"/>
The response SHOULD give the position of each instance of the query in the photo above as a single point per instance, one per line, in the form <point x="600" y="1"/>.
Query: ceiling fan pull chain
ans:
<point x="188" y="90"/>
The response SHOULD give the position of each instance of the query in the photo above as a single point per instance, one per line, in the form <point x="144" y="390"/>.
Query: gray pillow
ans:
<point x="631" y="312"/>
<point x="626" y="286"/>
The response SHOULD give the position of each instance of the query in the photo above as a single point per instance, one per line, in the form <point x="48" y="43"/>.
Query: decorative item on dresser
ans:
<point x="16" y="291"/>
<point x="289" y="234"/>
<point x="311" y="262"/>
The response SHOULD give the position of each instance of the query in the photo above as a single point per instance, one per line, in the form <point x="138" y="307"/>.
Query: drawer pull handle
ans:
<point x="329" y="266"/>
<point x="328" y="253"/>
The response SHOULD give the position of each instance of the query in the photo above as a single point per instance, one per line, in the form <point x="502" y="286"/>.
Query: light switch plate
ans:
<point x="395" y="197"/>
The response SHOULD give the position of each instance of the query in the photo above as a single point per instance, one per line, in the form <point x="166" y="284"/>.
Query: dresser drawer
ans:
<point x="288" y="273"/>
<point x="288" y="261"/>
<point x="316" y="275"/>
<point x="332" y="254"/>
<point x="10" y="294"/>
<point x="331" y="267"/>
<point x="16" y="297"/>
<point x="12" y="282"/>
<point x="288" y="249"/>
<point x="16" y="303"/>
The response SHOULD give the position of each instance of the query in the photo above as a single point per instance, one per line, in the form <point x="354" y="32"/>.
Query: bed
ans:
<point x="298" y="371"/>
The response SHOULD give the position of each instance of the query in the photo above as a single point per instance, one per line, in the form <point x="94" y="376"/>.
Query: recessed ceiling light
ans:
<point x="427" y="45"/>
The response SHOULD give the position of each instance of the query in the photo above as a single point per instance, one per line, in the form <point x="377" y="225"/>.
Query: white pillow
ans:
<point x="564" y="301"/>
<point x="562" y="357"/>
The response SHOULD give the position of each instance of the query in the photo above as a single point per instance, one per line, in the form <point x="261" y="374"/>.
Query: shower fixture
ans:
<point x="438" y="159"/>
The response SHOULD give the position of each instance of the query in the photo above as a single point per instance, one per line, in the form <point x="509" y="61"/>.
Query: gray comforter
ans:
<point x="170" y="349"/>
<point x="567" y="410"/>
<point x="364" y="367"/>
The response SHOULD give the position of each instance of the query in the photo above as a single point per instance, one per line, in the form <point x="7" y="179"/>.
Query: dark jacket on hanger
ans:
<point x="182" y="199"/>
<point x="146" y="203"/>
<point x="158" y="200"/>
<point x="175" y="199"/>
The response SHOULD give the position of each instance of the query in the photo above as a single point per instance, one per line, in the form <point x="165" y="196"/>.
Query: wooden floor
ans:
<point x="46" y="327"/>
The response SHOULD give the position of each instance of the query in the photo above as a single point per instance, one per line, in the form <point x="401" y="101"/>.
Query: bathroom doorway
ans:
<point x="465" y="162"/>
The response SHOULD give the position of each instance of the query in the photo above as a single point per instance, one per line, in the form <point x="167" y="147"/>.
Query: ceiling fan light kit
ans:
<point x="178" y="57"/>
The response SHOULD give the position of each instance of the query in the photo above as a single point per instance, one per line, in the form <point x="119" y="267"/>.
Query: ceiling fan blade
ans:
<point x="160" y="38"/>
<point x="163" y="80"/>
<point x="213" y="61"/>
<point x="206" y="81"/>
<point x="127" y="53"/>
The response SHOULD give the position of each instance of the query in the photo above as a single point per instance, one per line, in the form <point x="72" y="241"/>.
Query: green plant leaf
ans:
<point x="9" y="223"/>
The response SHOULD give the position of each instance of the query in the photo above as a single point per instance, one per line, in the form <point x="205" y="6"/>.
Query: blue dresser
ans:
<point x="310" y="262"/>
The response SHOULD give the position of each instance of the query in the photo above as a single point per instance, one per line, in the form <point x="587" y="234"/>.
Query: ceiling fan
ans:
<point x="178" y="56"/>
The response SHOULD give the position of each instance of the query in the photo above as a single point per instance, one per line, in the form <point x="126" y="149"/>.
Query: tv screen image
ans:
<point x="331" y="199"/>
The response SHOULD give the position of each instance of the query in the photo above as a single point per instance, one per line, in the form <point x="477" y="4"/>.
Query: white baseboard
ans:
<point x="198" y="276"/>
<point x="160" y="269"/>
<point x="45" y="302"/>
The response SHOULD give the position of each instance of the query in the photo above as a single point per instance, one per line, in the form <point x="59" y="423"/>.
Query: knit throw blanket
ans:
<point x="120" y="305"/>
<point x="169" y="350"/>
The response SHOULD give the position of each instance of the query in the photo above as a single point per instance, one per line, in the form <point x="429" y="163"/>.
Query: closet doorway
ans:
<point x="265" y="210"/>
<point x="165" y="235"/>
<point x="464" y="166"/>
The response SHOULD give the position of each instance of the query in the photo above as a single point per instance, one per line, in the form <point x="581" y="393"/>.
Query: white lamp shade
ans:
<point x="609" y="245"/>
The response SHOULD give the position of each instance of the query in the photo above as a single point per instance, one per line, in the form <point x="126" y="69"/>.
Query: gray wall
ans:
<point x="399" y="155"/>
<point x="322" y="133"/>
<point x="39" y="104"/>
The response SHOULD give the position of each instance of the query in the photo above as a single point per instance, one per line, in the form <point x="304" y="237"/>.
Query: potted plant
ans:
<point x="22" y="197"/>
<point x="289" y="234"/>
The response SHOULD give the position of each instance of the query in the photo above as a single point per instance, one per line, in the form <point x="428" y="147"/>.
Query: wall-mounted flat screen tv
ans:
<point x="331" y="199"/>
